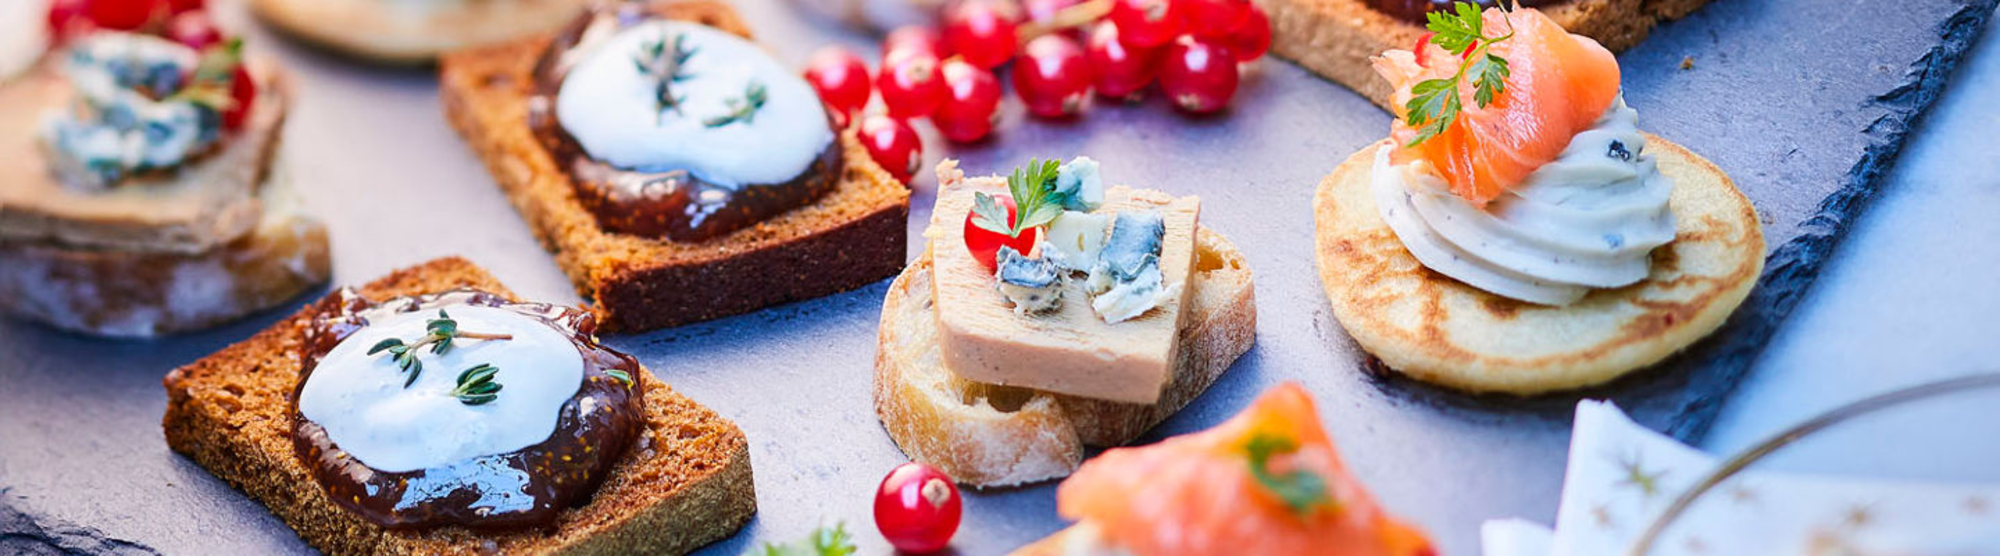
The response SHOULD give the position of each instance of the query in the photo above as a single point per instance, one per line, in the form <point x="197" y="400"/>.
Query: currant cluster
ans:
<point x="183" y="21"/>
<point x="1060" y="50"/>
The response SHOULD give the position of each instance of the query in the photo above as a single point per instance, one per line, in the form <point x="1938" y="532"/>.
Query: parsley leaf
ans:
<point x="1434" y="103"/>
<point x="1302" y="490"/>
<point x="1036" y="201"/>
<point x="1492" y="71"/>
<point x="822" y="542"/>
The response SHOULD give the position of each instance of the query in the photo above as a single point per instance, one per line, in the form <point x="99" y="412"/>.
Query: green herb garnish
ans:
<point x="620" y="376"/>
<point x="439" y="334"/>
<point x="662" y="59"/>
<point x="1302" y="490"/>
<point x="744" y="108"/>
<point x="1036" y="201"/>
<point x="1435" y="103"/>
<point x="476" y="385"/>
<point x="822" y="542"/>
<point x="214" y="77"/>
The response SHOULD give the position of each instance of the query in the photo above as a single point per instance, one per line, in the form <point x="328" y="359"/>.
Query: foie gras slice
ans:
<point x="1070" y="350"/>
<point x="209" y="202"/>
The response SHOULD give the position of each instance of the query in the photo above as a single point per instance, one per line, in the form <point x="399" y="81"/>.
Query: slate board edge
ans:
<point x="1791" y="270"/>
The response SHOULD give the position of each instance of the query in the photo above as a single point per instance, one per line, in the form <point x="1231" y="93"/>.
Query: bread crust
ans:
<point x="397" y="33"/>
<point x="990" y="436"/>
<point x="854" y="236"/>
<point x="1442" y="331"/>
<point x="685" y="483"/>
<point x="1337" y="38"/>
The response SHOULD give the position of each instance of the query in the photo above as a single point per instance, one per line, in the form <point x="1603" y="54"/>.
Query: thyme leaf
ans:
<point x="476" y="385"/>
<point x="742" y="109"/>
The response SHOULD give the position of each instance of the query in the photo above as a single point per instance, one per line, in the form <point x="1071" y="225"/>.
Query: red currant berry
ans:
<point x="911" y="38"/>
<point x="985" y="244"/>
<point x="1213" y="18"/>
<point x="1121" y="70"/>
<point x="971" y="100"/>
<point x="981" y="31"/>
<point x="1052" y="77"/>
<point x="67" y="17"/>
<point x="1198" y="74"/>
<point x="893" y="145"/>
<point x="185" y="6"/>
<point x="910" y="83"/>
<point x="243" y="91"/>
<point x="123" y="15"/>
<point x="917" y="508"/>
<point x="1147" y="22"/>
<point x="1252" y="38"/>
<point x="841" y="79"/>
<point x="194" y="29"/>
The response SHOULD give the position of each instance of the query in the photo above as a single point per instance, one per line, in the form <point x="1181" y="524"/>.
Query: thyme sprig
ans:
<point x="1434" y="103"/>
<point x="439" y="334"/>
<point x="1301" y="490"/>
<point x="476" y="385"/>
<point x="664" y="59"/>
<point x="744" y="108"/>
<point x="1036" y="201"/>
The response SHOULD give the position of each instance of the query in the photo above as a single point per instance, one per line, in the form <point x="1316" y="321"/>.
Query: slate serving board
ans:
<point x="1806" y="134"/>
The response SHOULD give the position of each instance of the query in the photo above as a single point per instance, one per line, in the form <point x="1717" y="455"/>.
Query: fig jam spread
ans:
<point x="1413" y="10"/>
<point x="672" y="204"/>
<point x="523" y="488"/>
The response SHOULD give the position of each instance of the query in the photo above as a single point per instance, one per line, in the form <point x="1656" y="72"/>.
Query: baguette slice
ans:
<point x="853" y="236"/>
<point x="990" y="436"/>
<point x="684" y="483"/>
<point x="1337" y="38"/>
<point x="402" y="32"/>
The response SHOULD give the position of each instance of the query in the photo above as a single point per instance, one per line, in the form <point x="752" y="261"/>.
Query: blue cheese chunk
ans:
<point x="1079" y="183"/>
<point x="1126" y="282"/>
<point x="1034" y="284"/>
<point x="1074" y="240"/>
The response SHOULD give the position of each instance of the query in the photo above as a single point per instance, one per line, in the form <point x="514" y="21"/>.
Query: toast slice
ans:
<point x="990" y="436"/>
<point x="684" y="483"/>
<point x="851" y="237"/>
<point x="1336" y="38"/>
<point x="412" y="33"/>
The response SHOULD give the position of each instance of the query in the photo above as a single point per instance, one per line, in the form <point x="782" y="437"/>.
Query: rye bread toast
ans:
<point x="853" y="236"/>
<point x="685" y="482"/>
<point x="1336" y="38"/>
<point x="989" y="436"/>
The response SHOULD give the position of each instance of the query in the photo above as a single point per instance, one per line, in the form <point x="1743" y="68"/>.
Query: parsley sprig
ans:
<point x="822" y="542"/>
<point x="1036" y="201"/>
<point x="1435" y="103"/>
<point x="438" y="334"/>
<point x="210" y="84"/>
<point x="476" y="385"/>
<point x="1302" y="490"/>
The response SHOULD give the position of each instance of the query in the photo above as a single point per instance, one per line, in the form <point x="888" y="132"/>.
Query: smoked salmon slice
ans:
<point x="1560" y="84"/>
<point x="1210" y="493"/>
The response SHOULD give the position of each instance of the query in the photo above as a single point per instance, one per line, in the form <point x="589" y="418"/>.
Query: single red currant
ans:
<point x="972" y="99"/>
<point x="1120" y="70"/>
<point x="985" y="244"/>
<point x="911" y="38"/>
<point x="67" y="17"/>
<point x="123" y="15"/>
<point x="1252" y="38"/>
<point x="841" y="79"/>
<point x="1147" y="22"/>
<point x="917" y="508"/>
<point x="910" y="83"/>
<point x="1214" y="18"/>
<point x="243" y="93"/>
<point x="893" y="145"/>
<point x="1052" y="77"/>
<point x="194" y="29"/>
<point x="185" y="6"/>
<point x="1198" y="74"/>
<point x="981" y="31"/>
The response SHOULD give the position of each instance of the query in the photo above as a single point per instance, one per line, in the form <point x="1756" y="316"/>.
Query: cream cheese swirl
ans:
<point x="1587" y="220"/>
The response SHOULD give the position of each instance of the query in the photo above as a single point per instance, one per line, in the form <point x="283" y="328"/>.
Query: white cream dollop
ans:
<point x="361" y="402"/>
<point x="1587" y="220"/>
<point x="612" y="110"/>
<point x="24" y="34"/>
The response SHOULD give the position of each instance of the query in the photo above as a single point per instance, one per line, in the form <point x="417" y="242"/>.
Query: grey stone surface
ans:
<point x="1804" y="102"/>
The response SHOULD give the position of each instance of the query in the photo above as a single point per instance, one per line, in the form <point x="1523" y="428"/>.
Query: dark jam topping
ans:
<point x="524" y="488"/>
<point x="1413" y="10"/>
<point x="671" y="204"/>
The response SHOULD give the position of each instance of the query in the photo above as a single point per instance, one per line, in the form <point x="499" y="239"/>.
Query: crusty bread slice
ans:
<point x="988" y="436"/>
<point x="411" y="33"/>
<point x="853" y="236"/>
<point x="684" y="483"/>
<point x="1336" y="38"/>
<point x="1440" y="330"/>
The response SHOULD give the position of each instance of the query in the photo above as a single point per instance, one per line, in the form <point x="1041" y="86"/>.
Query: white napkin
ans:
<point x="1622" y="475"/>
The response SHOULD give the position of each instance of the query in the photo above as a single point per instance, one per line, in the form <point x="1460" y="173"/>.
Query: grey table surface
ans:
<point x="83" y="466"/>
